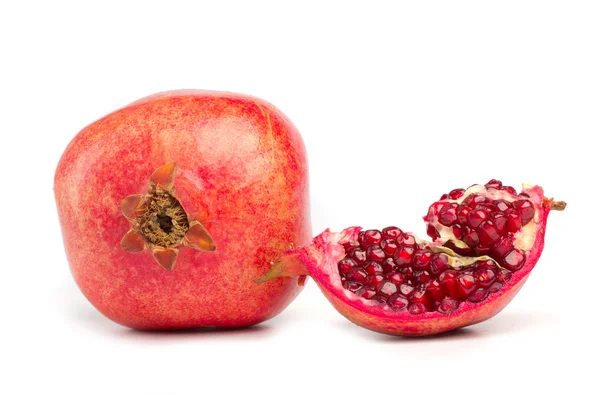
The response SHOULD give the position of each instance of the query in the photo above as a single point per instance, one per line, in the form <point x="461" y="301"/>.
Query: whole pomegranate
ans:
<point x="389" y="281"/>
<point x="171" y="206"/>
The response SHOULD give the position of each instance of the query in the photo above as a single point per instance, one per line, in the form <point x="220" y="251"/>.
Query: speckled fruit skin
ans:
<point x="242" y="172"/>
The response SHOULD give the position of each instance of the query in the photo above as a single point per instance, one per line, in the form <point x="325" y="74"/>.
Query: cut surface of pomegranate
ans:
<point x="389" y="281"/>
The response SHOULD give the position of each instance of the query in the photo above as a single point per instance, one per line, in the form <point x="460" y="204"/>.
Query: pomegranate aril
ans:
<point x="406" y="289"/>
<point x="488" y="234"/>
<point x="448" y="305"/>
<point x="373" y="268"/>
<point x="480" y="249"/>
<point x="432" y="232"/>
<point x="407" y="240"/>
<point x="499" y="221"/>
<point x="434" y="291"/>
<point x="444" y="196"/>
<point x="449" y="283"/>
<point x="447" y="215"/>
<point x="504" y="276"/>
<point x="376" y="254"/>
<point x="396" y="278"/>
<point x="391" y="232"/>
<point x="417" y="308"/>
<point x="494" y="184"/>
<point x="386" y="288"/>
<point x="513" y="221"/>
<point x="420" y="297"/>
<point x="351" y="286"/>
<point x="389" y="246"/>
<point x="502" y="205"/>
<point x="351" y="245"/>
<point x="366" y="292"/>
<point x="510" y="190"/>
<point x="487" y="264"/>
<point x="466" y="284"/>
<point x="476" y="217"/>
<point x="346" y="265"/>
<point x="397" y="302"/>
<point x="478" y="296"/>
<point x="503" y="246"/>
<point x="404" y="255"/>
<point x="438" y="264"/>
<point x="389" y="265"/>
<point x="514" y="260"/>
<point x="526" y="211"/>
<point x="358" y="275"/>
<point x="457" y="231"/>
<point x="359" y="255"/>
<point x="421" y="259"/>
<point x="485" y="277"/>
<point x="471" y="238"/>
<point x="371" y="237"/>
<point x="421" y="277"/>
<point x="495" y="287"/>
<point x="374" y="279"/>
<point x="474" y="200"/>
<point x="456" y="193"/>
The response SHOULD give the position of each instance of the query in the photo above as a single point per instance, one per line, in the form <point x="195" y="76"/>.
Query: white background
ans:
<point x="397" y="103"/>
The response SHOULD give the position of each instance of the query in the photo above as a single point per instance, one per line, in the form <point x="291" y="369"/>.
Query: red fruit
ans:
<point x="434" y="289"/>
<point x="240" y="185"/>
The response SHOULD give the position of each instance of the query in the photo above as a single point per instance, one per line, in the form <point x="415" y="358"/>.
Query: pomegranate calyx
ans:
<point x="159" y="221"/>
<point x="558" y="205"/>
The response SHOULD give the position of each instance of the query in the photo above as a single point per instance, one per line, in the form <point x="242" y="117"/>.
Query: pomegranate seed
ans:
<point x="434" y="291"/>
<point x="526" y="211"/>
<point x="476" y="217"/>
<point x="404" y="255"/>
<point x="417" y="308"/>
<point x="373" y="268"/>
<point x="376" y="254"/>
<point x="485" y="277"/>
<point x="510" y="190"/>
<point x="421" y="277"/>
<point x="474" y="200"/>
<point x="513" y="221"/>
<point x="371" y="237"/>
<point x="449" y="283"/>
<point x="349" y="246"/>
<point x="421" y="259"/>
<point x="389" y="265"/>
<point x="406" y="289"/>
<point x="447" y="215"/>
<point x="478" y="296"/>
<point x="499" y="221"/>
<point x="439" y="263"/>
<point x="436" y="207"/>
<point x="408" y="240"/>
<point x="448" y="305"/>
<point x="432" y="232"/>
<point x="397" y="302"/>
<point x="444" y="196"/>
<point x="504" y="276"/>
<point x="487" y="264"/>
<point x="488" y="234"/>
<point x="466" y="283"/>
<point x="457" y="231"/>
<point x="471" y="238"/>
<point x="463" y="214"/>
<point x="420" y="297"/>
<point x="503" y="246"/>
<point x="389" y="246"/>
<point x="358" y="275"/>
<point x="346" y="265"/>
<point x="514" y="260"/>
<point x="374" y="279"/>
<point x="358" y="255"/>
<point x="366" y="292"/>
<point x="387" y="288"/>
<point x="494" y="184"/>
<point x="396" y="278"/>
<point x="495" y="287"/>
<point x="391" y="232"/>
<point x="456" y="193"/>
<point x="502" y="205"/>
<point x="351" y="286"/>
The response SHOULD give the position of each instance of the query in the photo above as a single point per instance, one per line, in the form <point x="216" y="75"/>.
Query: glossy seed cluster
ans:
<point x="486" y="226"/>
<point x="389" y="266"/>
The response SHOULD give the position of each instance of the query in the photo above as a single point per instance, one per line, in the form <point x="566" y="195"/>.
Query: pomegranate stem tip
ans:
<point x="558" y="205"/>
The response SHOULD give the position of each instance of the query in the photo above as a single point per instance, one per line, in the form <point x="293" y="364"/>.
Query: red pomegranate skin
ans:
<point x="241" y="172"/>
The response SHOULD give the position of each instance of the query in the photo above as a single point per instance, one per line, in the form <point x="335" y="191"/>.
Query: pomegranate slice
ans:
<point x="391" y="282"/>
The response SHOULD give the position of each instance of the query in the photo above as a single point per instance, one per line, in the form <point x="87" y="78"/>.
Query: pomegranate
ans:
<point x="391" y="282"/>
<point x="171" y="206"/>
